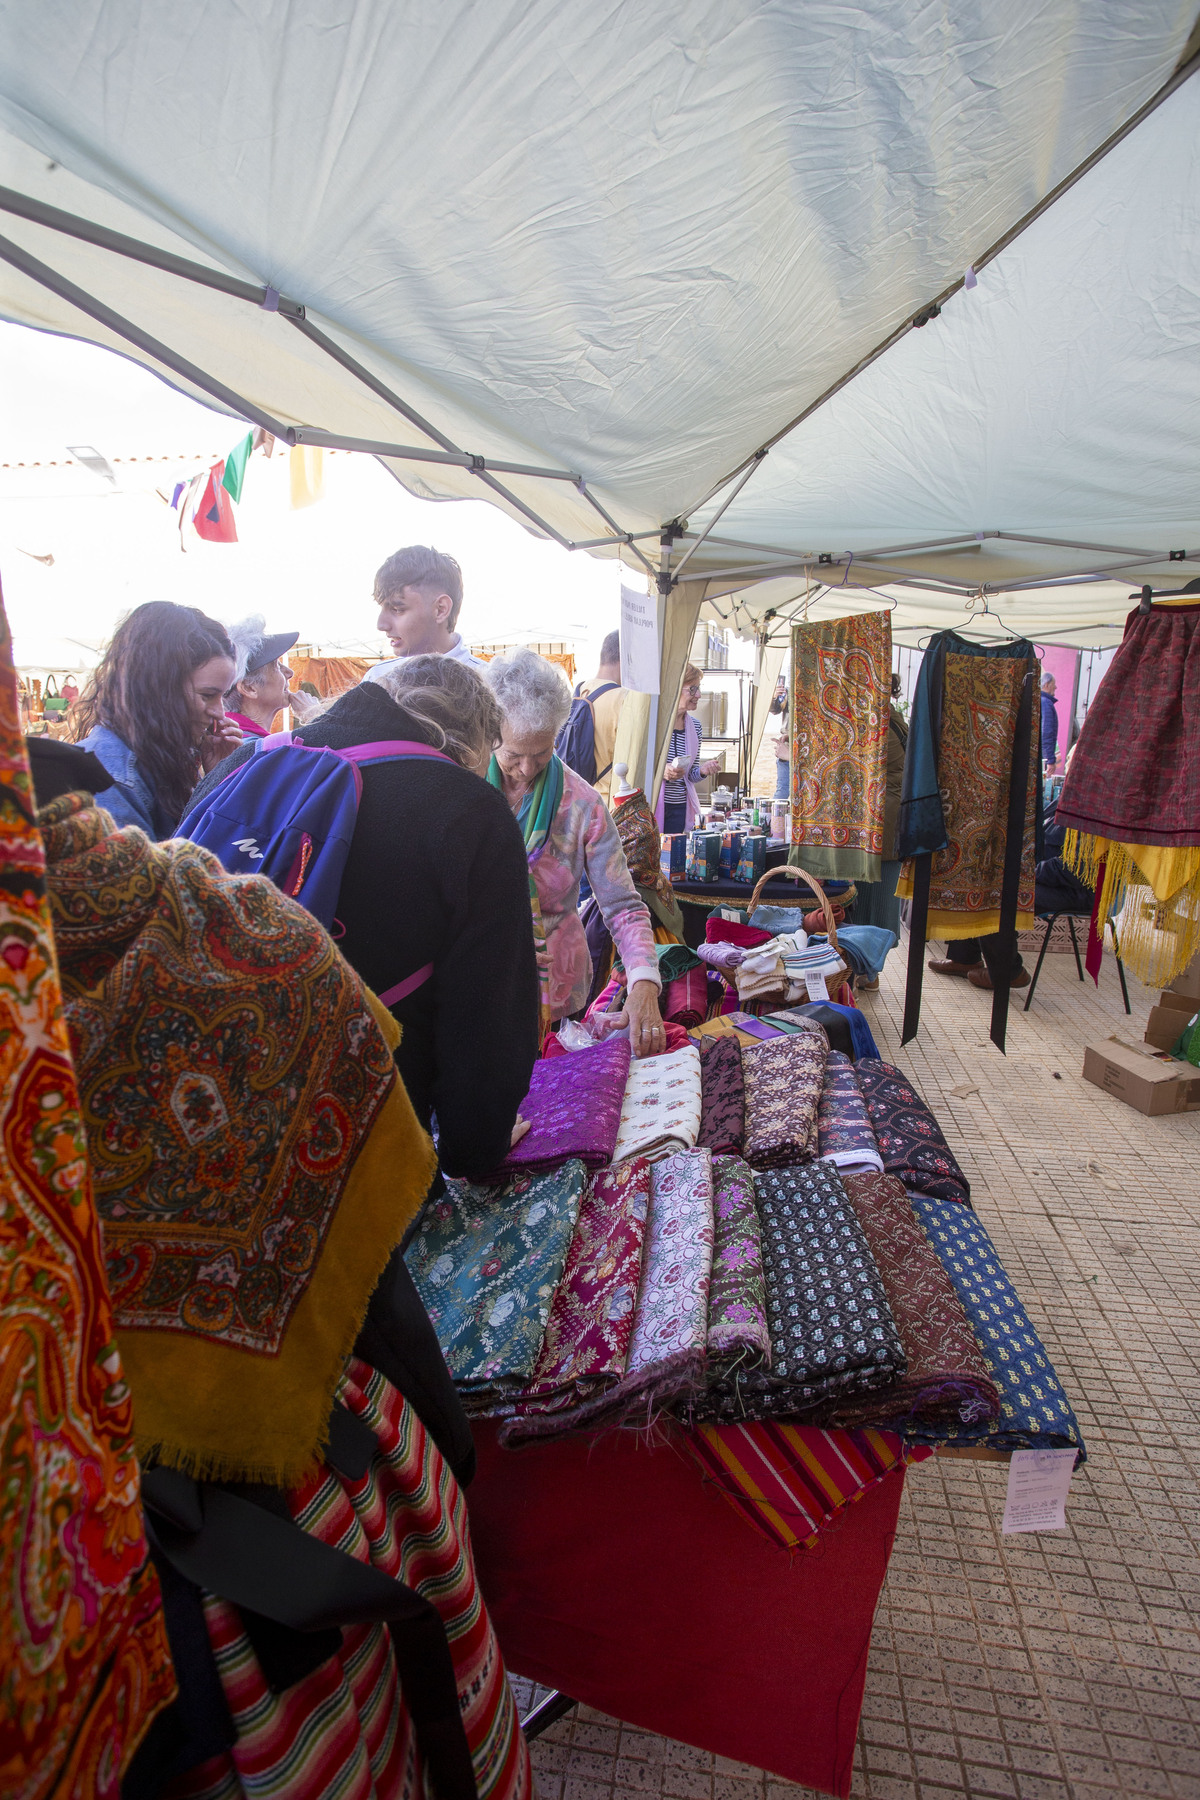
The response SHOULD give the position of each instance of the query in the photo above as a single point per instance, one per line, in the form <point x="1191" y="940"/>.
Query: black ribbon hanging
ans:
<point x="918" y="921"/>
<point x="1014" y="849"/>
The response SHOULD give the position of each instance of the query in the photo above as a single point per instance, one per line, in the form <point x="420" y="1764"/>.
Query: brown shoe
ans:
<point x="979" y="977"/>
<point x="945" y="967"/>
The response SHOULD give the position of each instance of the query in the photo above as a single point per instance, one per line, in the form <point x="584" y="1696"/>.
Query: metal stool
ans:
<point x="1051" y="920"/>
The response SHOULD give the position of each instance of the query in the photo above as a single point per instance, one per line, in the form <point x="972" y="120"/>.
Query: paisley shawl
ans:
<point x="841" y="682"/>
<point x="254" y="1153"/>
<point x="83" y="1646"/>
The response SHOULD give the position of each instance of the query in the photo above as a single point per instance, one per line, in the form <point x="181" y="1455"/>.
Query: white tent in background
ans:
<point x="625" y="268"/>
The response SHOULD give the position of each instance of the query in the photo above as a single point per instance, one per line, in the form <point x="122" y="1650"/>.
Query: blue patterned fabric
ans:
<point x="486" y="1263"/>
<point x="1035" y="1413"/>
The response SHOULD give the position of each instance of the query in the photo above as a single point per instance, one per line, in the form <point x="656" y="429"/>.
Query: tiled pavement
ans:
<point x="1057" y="1666"/>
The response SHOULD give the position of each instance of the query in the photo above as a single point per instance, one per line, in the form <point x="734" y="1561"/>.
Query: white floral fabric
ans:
<point x="661" y="1110"/>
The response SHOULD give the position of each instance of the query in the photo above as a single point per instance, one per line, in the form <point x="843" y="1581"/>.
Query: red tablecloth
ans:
<point x="615" y="1574"/>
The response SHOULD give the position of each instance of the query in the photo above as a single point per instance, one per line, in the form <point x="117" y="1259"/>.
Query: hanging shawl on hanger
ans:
<point x="1131" y="799"/>
<point x="969" y="823"/>
<point x="536" y="818"/>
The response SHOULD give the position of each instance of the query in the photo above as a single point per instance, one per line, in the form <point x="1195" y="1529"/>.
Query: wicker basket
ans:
<point x="832" y="982"/>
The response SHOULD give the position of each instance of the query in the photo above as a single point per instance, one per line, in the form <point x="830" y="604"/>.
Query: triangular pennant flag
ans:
<point x="235" y="466"/>
<point x="213" y="517"/>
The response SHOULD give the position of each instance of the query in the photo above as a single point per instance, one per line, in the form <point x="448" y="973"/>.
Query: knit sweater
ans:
<point x="437" y="873"/>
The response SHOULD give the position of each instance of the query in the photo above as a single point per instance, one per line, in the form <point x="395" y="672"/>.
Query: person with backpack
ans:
<point x="154" y="712"/>
<point x="588" y="739"/>
<point x="431" y="902"/>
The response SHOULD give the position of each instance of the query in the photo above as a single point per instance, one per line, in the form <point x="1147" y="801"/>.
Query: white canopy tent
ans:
<point x="624" y="268"/>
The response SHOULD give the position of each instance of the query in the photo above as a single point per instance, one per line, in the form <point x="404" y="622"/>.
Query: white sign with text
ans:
<point x="639" y="641"/>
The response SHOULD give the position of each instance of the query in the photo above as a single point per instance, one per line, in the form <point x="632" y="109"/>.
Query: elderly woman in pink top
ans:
<point x="568" y="833"/>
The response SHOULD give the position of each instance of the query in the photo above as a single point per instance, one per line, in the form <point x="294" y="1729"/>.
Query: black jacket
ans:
<point x="437" y="873"/>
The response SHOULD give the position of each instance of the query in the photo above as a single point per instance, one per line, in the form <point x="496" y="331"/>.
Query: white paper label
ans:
<point x="1038" y="1483"/>
<point x="639" y="641"/>
<point x="817" y="988"/>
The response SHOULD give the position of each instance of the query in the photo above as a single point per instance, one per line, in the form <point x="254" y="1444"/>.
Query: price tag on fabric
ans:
<point x="1038" y="1483"/>
<point x="818" y="988"/>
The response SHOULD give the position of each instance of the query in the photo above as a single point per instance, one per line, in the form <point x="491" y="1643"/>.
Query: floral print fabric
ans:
<point x="844" y="1134"/>
<point x="783" y="1080"/>
<point x="1035" y="1414"/>
<point x="909" y="1137"/>
<point x="947" y="1378"/>
<point x="486" y="1263"/>
<point x="722" y="1094"/>
<point x="672" y="1308"/>
<point x="737" y="1302"/>
<point x="661" y="1110"/>
<point x="574" y="1108"/>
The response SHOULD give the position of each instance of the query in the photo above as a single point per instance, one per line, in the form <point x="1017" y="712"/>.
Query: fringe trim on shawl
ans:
<point x="222" y="1413"/>
<point x="1159" y="936"/>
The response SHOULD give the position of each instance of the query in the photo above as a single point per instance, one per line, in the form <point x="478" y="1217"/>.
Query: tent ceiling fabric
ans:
<point x="630" y="242"/>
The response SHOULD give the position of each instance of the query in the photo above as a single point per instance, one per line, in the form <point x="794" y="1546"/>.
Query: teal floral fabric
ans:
<point x="486" y="1263"/>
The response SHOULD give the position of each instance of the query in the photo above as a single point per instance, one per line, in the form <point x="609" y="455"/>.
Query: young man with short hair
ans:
<point x="419" y="593"/>
<point x="606" y="709"/>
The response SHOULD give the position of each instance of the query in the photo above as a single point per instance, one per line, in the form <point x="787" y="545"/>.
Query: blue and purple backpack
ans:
<point x="288" y="812"/>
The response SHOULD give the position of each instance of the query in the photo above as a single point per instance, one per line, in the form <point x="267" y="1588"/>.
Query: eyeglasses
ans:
<point x="693" y="687"/>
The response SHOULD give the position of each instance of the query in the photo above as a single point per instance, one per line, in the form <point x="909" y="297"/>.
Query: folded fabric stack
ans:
<point x="574" y="1108"/>
<point x="722" y="1094"/>
<point x="831" y="1328"/>
<point x="909" y="1137"/>
<point x="668" y="1343"/>
<point x="660" y="1112"/>
<point x="1035" y="1414"/>
<point x="947" y="1381"/>
<point x="844" y="1134"/>
<point x="685" y="1001"/>
<point x="725" y="958"/>
<point x="783" y="1081"/>
<point x="487" y="1263"/>
<point x="738" y="1333"/>
<point x="586" y="1347"/>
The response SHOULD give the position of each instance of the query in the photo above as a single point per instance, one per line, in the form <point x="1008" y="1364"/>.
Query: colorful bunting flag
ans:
<point x="213" y="517"/>
<point x="235" y="466"/>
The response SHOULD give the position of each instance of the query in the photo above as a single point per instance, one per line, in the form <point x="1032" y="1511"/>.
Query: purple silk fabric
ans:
<point x="574" y="1108"/>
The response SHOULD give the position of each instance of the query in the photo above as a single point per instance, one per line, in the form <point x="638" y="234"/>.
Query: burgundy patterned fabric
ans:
<point x="722" y="1094"/>
<point x="586" y="1346"/>
<point x="909" y="1137"/>
<point x="947" y="1378"/>
<point x="686" y="999"/>
<point x="844" y="1134"/>
<point x="783" y="1080"/>
<point x="1135" y="775"/>
<point x="574" y="1108"/>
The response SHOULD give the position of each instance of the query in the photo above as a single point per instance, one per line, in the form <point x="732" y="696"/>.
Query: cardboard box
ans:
<point x="1148" y="1081"/>
<point x="1188" y="984"/>
<point x="1168" y="1019"/>
<point x="703" y="855"/>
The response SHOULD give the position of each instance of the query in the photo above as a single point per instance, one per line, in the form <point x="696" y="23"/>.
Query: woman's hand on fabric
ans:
<point x="518" y="1132"/>
<point x="647" y="1033"/>
<point x="217" y="743"/>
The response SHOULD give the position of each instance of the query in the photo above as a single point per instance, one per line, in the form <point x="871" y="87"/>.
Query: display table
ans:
<point x="614" y="1573"/>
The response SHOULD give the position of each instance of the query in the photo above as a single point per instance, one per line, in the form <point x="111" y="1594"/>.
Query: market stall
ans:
<point x="710" y="1309"/>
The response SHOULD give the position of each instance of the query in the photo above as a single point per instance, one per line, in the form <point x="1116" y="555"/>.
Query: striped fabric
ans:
<point x="789" y="1481"/>
<point x="344" y="1733"/>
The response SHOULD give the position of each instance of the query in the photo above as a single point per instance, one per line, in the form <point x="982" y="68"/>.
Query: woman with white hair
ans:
<point x="568" y="833"/>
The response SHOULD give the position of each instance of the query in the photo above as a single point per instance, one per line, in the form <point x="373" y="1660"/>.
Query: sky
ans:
<point x="115" y="546"/>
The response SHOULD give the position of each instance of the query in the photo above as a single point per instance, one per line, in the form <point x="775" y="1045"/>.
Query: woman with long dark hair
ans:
<point x="154" y="712"/>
